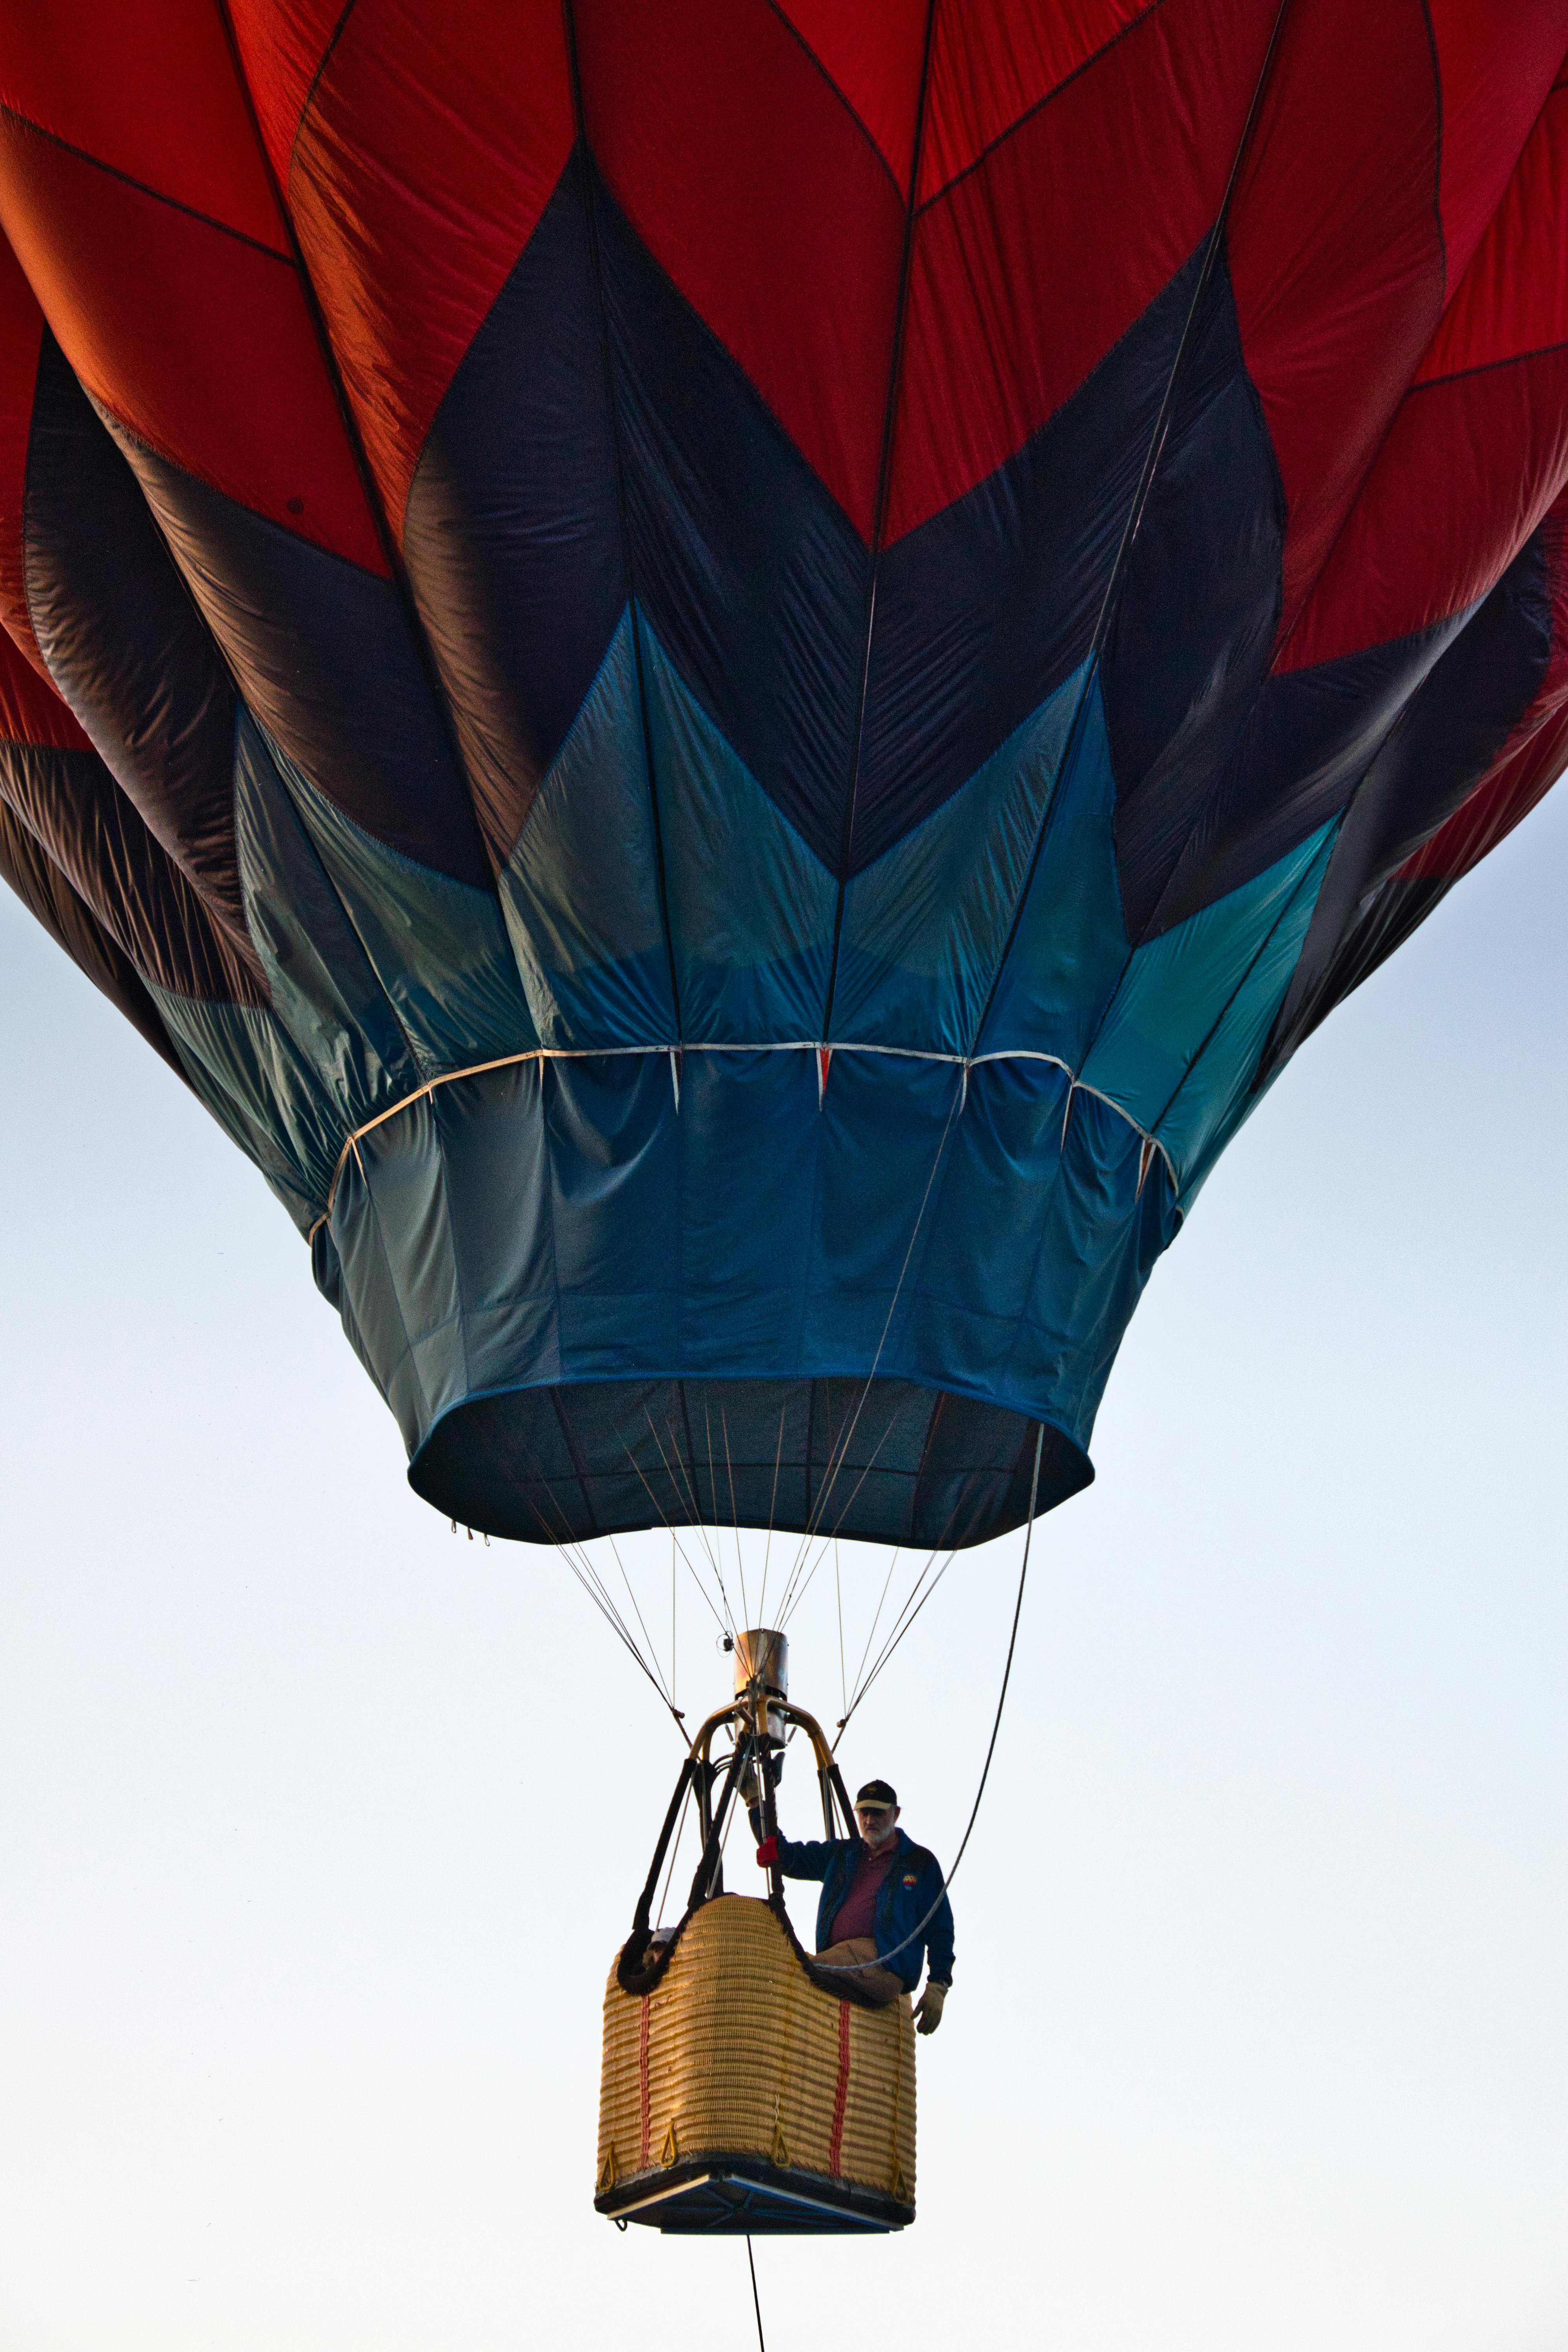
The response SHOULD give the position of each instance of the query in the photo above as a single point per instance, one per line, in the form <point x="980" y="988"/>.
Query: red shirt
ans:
<point x="856" y="1915"/>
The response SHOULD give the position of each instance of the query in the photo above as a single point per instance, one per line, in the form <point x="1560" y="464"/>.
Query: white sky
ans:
<point x="319" y="1831"/>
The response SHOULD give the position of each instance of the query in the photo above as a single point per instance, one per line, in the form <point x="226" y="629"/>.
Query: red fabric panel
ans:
<point x="21" y="336"/>
<point x="437" y="134"/>
<point x="872" y="50"/>
<point x="281" y="44"/>
<point x="1030" y="267"/>
<point x="1470" y="468"/>
<point x="1474" y="458"/>
<point x="201" y="344"/>
<point x="150" y="92"/>
<point x="1515" y="297"/>
<point x="1336" y="253"/>
<point x="992" y="60"/>
<point x="30" y="709"/>
<point x="1497" y="64"/>
<point x="757" y="190"/>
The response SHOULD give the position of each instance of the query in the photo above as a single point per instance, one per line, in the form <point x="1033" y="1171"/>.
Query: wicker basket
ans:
<point x="737" y="2066"/>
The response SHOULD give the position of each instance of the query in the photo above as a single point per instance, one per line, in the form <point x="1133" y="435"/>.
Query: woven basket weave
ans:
<point x="736" y="2052"/>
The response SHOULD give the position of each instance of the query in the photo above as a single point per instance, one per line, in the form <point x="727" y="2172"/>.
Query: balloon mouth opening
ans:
<point x="885" y="1461"/>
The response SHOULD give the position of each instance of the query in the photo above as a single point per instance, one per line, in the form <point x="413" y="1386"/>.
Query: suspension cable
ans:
<point x="756" y="2302"/>
<point x="772" y="1510"/>
<point x="670" y="1528"/>
<point x="907" y="1615"/>
<point x="856" y="1968"/>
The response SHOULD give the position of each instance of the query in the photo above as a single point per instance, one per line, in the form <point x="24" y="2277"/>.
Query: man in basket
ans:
<point x="884" y="1906"/>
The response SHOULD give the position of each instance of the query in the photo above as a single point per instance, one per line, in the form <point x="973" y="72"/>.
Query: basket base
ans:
<point x="741" y="2196"/>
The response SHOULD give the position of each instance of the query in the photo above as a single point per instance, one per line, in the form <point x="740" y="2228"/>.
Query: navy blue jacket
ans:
<point x="911" y="1886"/>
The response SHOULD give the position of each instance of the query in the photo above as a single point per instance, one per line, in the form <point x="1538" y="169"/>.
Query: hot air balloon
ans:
<point x="730" y="679"/>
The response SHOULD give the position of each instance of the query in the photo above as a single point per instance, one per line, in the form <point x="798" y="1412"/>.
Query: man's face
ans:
<point x="877" y="1823"/>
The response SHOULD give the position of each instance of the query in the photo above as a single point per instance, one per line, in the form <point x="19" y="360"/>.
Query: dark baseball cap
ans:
<point x="876" y="1792"/>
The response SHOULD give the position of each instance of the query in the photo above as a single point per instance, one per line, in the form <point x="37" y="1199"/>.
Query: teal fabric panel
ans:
<point x="750" y="907"/>
<point x="1071" y="945"/>
<point x="925" y="925"/>
<point x="1177" y="988"/>
<point x="259" y="1088"/>
<point x="1216" y="1095"/>
<point x="580" y="892"/>
<point x="324" y="990"/>
<point x="438" y="948"/>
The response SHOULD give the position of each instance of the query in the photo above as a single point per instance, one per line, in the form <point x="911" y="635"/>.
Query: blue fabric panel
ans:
<point x="499" y="1210"/>
<point x="437" y="947"/>
<point x="511" y="534"/>
<point x="324" y="988"/>
<point x="750" y="1131"/>
<point x="984" y="611"/>
<point x="402" y="1289"/>
<point x="1040" y="1250"/>
<point x="562" y="1222"/>
<point x="1176" y="988"/>
<point x="262" y="1093"/>
<point x="326" y="658"/>
<point x="925" y="925"/>
<point x="1217" y="1092"/>
<point x="579" y="893"/>
<point x="1071" y="945"/>
<point x="614" y="1201"/>
<point x="127" y="652"/>
<point x="754" y="579"/>
<point x="751" y="906"/>
<point x="1449" y="734"/>
<point x="1197" y="609"/>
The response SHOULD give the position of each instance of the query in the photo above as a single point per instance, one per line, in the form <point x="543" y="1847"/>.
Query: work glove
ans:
<point x="768" y="1852"/>
<point x="927" y="2009"/>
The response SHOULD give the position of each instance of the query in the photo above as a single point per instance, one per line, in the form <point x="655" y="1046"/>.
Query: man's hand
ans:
<point x="927" y="2009"/>
<point x="767" y="1852"/>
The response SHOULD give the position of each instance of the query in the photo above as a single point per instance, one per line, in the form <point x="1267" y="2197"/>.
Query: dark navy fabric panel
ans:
<point x="72" y="807"/>
<point x="326" y="659"/>
<point x="984" y="611"/>
<point x="1385" y="919"/>
<point x="561" y="1227"/>
<point x="123" y="642"/>
<point x="1447" y="739"/>
<point x="1310" y="739"/>
<point x="1197" y="608"/>
<point x="891" y="1463"/>
<point x="51" y="901"/>
<point x="511" y="532"/>
<point x="754" y="579"/>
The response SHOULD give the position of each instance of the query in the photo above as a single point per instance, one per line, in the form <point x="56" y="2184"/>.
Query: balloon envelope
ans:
<point x="728" y="675"/>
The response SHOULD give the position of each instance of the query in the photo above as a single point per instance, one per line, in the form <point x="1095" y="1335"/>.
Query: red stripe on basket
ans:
<point x="840" y="2097"/>
<point x="642" y="2085"/>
